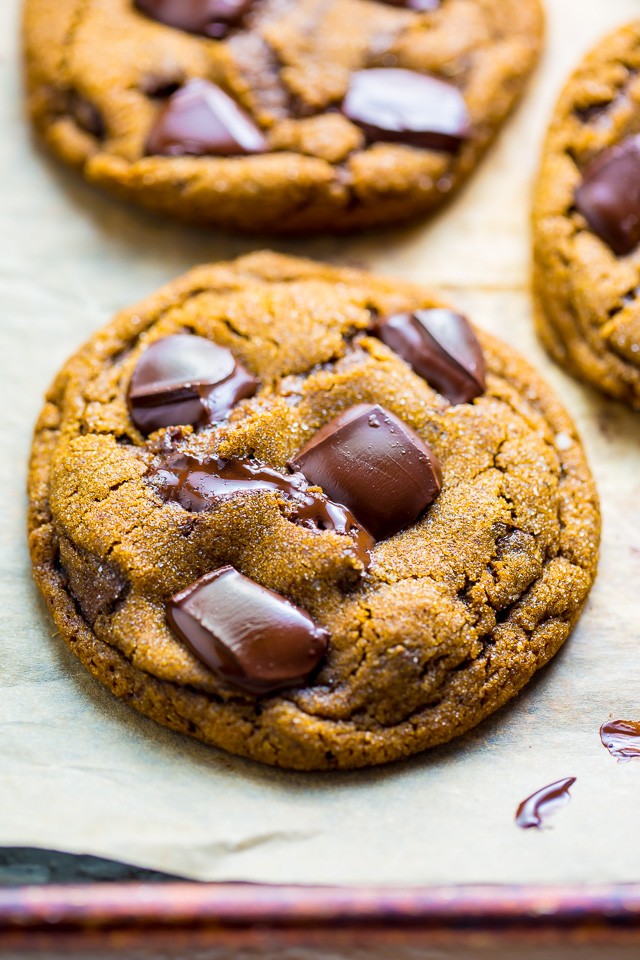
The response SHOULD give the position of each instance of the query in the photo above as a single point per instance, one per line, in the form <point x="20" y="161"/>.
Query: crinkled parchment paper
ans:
<point x="82" y="772"/>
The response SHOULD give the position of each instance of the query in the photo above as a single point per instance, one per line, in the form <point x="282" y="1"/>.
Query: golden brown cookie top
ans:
<point x="290" y="114"/>
<point x="443" y="621"/>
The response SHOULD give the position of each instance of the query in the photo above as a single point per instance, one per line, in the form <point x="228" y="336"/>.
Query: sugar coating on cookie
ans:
<point x="586" y="221"/>
<point x="406" y="561"/>
<point x="277" y="115"/>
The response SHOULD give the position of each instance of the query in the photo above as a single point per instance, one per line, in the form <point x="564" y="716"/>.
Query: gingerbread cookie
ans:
<point x="277" y="115"/>
<point x="308" y="515"/>
<point x="586" y="221"/>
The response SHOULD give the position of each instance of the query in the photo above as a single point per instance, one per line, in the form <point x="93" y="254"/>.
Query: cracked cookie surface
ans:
<point x="587" y="294"/>
<point x="100" y="71"/>
<point x="455" y="613"/>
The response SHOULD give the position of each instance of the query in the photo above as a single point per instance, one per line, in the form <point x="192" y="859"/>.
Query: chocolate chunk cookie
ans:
<point x="333" y="562"/>
<point x="279" y="116"/>
<point x="586" y="221"/>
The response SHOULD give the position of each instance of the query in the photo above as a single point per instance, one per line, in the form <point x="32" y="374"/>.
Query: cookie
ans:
<point x="586" y="222"/>
<point x="308" y="515"/>
<point x="278" y="116"/>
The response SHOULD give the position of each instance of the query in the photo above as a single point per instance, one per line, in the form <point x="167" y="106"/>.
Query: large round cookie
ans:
<point x="455" y="613"/>
<point x="281" y="155"/>
<point x="586" y="221"/>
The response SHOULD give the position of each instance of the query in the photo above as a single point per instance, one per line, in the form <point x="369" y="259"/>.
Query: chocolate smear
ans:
<point x="534" y="811"/>
<point x="622" y="739"/>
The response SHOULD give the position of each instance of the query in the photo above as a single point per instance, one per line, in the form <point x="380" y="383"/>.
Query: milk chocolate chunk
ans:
<point x="376" y="465"/>
<point x="197" y="485"/>
<point x="212" y="18"/>
<point x="250" y="636"/>
<point x="441" y="346"/>
<point x="184" y="379"/>
<point x="402" y="106"/>
<point x="200" y="119"/>
<point x="609" y="196"/>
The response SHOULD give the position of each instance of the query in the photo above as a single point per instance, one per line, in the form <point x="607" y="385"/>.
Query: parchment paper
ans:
<point x="82" y="772"/>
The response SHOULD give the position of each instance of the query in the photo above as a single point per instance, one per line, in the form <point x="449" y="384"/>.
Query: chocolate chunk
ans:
<point x="376" y="465"/>
<point x="185" y="379"/>
<point x="402" y="106"/>
<point x="252" y="637"/>
<point x="200" y="119"/>
<point x="93" y="583"/>
<point x="420" y="6"/>
<point x="86" y="115"/>
<point x="161" y="86"/>
<point x="622" y="739"/>
<point x="212" y="18"/>
<point x="533" y="811"/>
<point x="199" y="484"/>
<point x="441" y="346"/>
<point x="609" y="196"/>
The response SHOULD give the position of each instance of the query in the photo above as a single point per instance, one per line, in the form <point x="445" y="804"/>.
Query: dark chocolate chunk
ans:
<point x="252" y="637"/>
<point x="441" y="346"/>
<point x="161" y="86"/>
<point x="199" y="484"/>
<point x="212" y="18"/>
<point x="420" y="6"/>
<point x="185" y="379"/>
<point x="593" y="112"/>
<point x="86" y="115"/>
<point x="200" y="119"/>
<point x="622" y="739"/>
<point x="93" y="583"/>
<point x="406" y="107"/>
<point x="376" y="465"/>
<point x="609" y="196"/>
<point x="533" y="811"/>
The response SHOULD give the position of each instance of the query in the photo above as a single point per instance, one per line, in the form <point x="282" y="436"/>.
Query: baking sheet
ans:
<point x="82" y="772"/>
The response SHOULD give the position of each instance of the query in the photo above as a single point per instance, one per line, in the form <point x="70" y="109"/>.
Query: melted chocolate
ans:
<point x="185" y="379"/>
<point x="622" y="739"/>
<point x="254" y="638"/>
<point x="198" y="484"/>
<point x="533" y="811"/>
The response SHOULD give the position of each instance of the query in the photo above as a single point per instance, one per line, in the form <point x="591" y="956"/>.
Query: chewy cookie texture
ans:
<point x="586" y="221"/>
<point x="307" y="514"/>
<point x="277" y="115"/>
